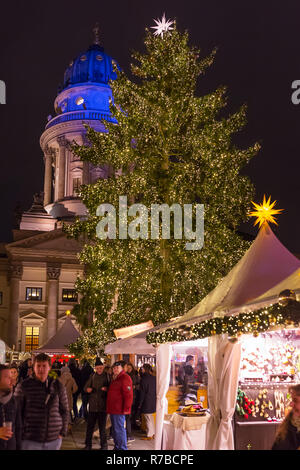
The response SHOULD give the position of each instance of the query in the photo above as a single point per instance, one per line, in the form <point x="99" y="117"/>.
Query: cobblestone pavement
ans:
<point x="76" y="438"/>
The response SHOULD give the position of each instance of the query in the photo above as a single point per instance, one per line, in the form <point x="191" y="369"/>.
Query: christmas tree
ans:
<point x="170" y="146"/>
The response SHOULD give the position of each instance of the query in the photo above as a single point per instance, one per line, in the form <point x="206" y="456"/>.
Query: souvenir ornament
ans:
<point x="285" y="297"/>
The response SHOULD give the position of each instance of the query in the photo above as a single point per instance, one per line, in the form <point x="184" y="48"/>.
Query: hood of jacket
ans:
<point x="65" y="377"/>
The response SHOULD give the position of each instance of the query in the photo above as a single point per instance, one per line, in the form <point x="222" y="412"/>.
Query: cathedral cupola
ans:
<point x="83" y="98"/>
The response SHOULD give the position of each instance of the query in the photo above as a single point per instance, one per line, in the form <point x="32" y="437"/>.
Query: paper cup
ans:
<point x="8" y="425"/>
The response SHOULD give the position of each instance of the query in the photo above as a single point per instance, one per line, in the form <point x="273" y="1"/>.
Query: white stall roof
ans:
<point x="266" y="268"/>
<point x="135" y="344"/>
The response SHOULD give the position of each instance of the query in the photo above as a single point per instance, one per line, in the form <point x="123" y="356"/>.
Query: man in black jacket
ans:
<point x="85" y="374"/>
<point x="44" y="408"/>
<point x="76" y="374"/>
<point x="10" y="419"/>
<point x="147" y="399"/>
<point x="96" y="387"/>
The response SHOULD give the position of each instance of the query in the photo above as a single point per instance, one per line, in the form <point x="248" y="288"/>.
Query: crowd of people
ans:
<point x="40" y="401"/>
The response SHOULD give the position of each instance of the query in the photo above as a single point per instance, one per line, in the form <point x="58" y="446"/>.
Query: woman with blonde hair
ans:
<point x="288" y="434"/>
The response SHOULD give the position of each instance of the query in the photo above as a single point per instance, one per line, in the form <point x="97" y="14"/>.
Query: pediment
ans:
<point x="54" y="240"/>
<point x="32" y="315"/>
<point x="59" y="244"/>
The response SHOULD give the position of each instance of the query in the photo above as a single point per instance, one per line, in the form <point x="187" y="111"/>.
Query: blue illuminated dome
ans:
<point x="85" y="93"/>
<point x="93" y="66"/>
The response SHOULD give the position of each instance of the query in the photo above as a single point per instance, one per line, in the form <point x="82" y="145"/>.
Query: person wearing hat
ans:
<point x="96" y="387"/>
<point x="119" y="402"/>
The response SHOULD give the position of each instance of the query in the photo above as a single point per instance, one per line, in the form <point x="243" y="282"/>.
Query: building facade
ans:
<point x="39" y="268"/>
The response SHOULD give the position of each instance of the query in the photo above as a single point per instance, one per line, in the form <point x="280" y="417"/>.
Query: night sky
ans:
<point x="258" y="59"/>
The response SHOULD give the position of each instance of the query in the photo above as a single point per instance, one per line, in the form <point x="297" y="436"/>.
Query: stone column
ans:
<point x="48" y="176"/>
<point x="61" y="167"/>
<point x="15" y="274"/>
<point x="53" y="273"/>
<point x="85" y="165"/>
<point x="86" y="173"/>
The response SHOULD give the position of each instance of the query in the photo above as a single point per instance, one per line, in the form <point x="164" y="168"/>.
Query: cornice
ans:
<point x="57" y="256"/>
<point x="68" y="127"/>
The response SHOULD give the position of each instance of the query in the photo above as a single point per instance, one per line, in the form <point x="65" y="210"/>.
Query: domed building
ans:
<point x="38" y="270"/>
<point x="83" y="98"/>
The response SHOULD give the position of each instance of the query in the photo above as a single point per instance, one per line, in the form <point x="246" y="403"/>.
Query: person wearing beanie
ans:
<point x="96" y="388"/>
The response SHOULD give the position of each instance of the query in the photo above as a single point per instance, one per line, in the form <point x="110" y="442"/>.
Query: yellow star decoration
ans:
<point x="264" y="212"/>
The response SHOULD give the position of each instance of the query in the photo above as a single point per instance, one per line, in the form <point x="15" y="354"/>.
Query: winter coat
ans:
<point x="97" y="398"/>
<point x="120" y="395"/>
<point x="71" y="387"/>
<point x="135" y="384"/>
<point x="44" y="409"/>
<point x="85" y="374"/>
<point x="76" y="374"/>
<point x="147" y="395"/>
<point x="188" y="379"/>
<point x="9" y="411"/>
<point x="182" y="373"/>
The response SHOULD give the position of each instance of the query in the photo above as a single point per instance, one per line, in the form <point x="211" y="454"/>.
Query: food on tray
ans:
<point x="195" y="408"/>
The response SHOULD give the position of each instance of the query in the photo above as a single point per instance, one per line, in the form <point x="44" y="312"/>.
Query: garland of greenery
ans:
<point x="254" y="322"/>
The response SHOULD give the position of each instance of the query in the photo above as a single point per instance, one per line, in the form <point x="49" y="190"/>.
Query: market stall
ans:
<point x="245" y="302"/>
<point x="184" y="432"/>
<point x="132" y="346"/>
<point x="170" y="395"/>
<point x="57" y="346"/>
<point x="270" y="364"/>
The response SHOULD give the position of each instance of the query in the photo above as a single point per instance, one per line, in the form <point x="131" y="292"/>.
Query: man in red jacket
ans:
<point x="118" y="404"/>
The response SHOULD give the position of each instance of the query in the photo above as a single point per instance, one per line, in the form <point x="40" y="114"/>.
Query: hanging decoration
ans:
<point x="162" y="26"/>
<point x="254" y="322"/>
<point x="244" y="406"/>
<point x="264" y="212"/>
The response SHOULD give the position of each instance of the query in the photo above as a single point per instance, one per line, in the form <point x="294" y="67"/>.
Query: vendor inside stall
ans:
<point x="184" y="425"/>
<point x="270" y="364"/>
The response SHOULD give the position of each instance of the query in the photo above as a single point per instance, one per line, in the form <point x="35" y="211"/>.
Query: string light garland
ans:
<point x="254" y="322"/>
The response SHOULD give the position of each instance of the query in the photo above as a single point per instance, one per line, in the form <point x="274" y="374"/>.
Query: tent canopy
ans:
<point x="264" y="271"/>
<point x="135" y="344"/>
<point x="66" y="335"/>
<point x="292" y="282"/>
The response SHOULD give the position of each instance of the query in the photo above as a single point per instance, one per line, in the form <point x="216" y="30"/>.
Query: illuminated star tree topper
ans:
<point x="162" y="26"/>
<point x="264" y="212"/>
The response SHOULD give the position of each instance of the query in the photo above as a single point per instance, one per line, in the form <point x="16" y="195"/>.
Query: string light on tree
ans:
<point x="171" y="146"/>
